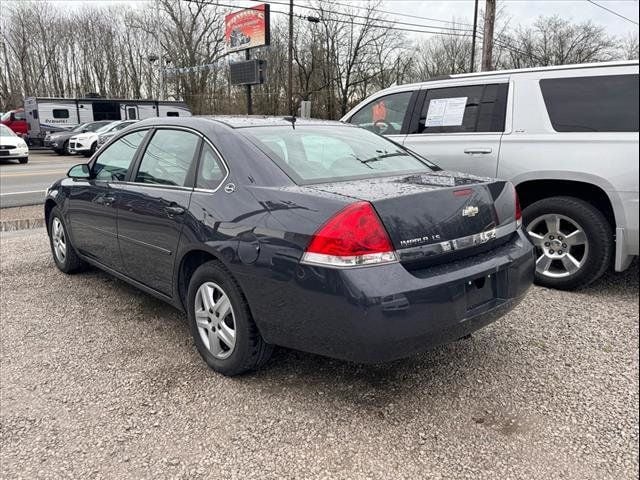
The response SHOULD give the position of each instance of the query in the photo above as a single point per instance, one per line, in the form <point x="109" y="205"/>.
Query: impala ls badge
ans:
<point x="470" y="211"/>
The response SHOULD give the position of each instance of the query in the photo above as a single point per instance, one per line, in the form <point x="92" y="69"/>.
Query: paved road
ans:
<point x="25" y="184"/>
<point x="101" y="381"/>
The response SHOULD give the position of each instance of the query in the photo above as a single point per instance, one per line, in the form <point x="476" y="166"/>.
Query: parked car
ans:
<point x="12" y="147"/>
<point x="86" y="143"/>
<point x="567" y="137"/>
<point x="16" y="121"/>
<point x="324" y="237"/>
<point x="105" y="137"/>
<point x="59" y="141"/>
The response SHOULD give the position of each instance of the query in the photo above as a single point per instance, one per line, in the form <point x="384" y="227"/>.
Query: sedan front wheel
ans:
<point x="64" y="255"/>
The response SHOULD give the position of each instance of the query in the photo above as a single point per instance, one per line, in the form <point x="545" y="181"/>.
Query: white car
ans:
<point x="566" y="136"/>
<point x="12" y="147"/>
<point x="105" y="137"/>
<point x="87" y="143"/>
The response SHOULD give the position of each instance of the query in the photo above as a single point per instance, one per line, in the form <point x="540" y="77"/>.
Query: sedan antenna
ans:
<point x="291" y="119"/>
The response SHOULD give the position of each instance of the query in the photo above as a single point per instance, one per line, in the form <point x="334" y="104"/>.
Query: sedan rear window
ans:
<point x="316" y="154"/>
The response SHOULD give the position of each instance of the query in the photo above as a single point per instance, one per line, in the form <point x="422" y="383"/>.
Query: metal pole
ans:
<point x="290" y="82"/>
<point x="473" y="40"/>
<point x="247" y="55"/>
<point x="160" y="66"/>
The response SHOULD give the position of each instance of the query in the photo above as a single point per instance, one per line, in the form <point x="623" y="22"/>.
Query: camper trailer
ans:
<point x="45" y="115"/>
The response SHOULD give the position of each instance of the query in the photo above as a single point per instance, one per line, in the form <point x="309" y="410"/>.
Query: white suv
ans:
<point x="86" y="143"/>
<point x="566" y="136"/>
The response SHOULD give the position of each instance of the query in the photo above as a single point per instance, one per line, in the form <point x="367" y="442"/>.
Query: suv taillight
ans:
<point x="352" y="237"/>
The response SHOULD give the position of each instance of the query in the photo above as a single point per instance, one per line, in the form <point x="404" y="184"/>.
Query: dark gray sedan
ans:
<point x="311" y="235"/>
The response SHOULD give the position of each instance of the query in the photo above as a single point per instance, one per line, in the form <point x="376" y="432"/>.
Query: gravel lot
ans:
<point x="101" y="381"/>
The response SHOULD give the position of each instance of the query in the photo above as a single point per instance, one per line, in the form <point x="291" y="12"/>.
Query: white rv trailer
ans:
<point x="46" y="115"/>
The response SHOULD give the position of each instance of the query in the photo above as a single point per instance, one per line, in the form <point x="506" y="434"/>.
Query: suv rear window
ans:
<point x="592" y="104"/>
<point x="318" y="154"/>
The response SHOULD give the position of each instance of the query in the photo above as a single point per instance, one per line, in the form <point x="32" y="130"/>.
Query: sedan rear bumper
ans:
<point x="382" y="313"/>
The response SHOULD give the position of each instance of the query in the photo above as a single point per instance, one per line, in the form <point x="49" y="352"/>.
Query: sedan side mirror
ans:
<point x="85" y="130"/>
<point x="80" y="171"/>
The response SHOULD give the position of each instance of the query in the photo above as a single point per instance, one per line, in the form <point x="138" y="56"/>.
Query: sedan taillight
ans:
<point x="354" y="236"/>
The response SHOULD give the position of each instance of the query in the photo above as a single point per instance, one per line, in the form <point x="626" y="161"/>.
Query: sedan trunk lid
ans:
<point x="433" y="213"/>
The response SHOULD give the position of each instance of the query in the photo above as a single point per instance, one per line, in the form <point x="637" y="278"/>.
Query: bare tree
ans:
<point x="354" y="51"/>
<point x="629" y="46"/>
<point x="556" y="41"/>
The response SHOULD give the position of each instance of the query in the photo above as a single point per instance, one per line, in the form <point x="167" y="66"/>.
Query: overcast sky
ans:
<point x="518" y="11"/>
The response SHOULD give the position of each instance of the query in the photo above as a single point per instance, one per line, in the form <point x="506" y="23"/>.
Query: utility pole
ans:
<point x="160" y="56"/>
<point x="290" y="80"/>
<point x="247" y="56"/>
<point x="473" y="40"/>
<point x="487" y="46"/>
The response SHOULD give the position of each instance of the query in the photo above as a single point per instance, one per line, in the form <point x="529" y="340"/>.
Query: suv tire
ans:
<point x="580" y="223"/>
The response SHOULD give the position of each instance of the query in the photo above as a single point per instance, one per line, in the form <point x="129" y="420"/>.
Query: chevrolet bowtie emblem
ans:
<point x="470" y="211"/>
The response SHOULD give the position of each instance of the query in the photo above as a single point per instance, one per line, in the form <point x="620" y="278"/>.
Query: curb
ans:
<point x="21" y="224"/>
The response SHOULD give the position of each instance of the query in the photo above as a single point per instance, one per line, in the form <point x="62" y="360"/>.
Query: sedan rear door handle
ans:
<point x="174" y="210"/>
<point x="471" y="151"/>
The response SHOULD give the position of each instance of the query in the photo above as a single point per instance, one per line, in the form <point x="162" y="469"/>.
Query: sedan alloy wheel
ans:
<point x="59" y="240"/>
<point x="215" y="320"/>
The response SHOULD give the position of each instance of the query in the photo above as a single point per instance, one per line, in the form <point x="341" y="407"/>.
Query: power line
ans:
<point x="613" y="12"/>
<point x="338" y="20"/>
<point x="402" y="14"/>
<point x="499" y="42"/>
<point x="350" y="15"/>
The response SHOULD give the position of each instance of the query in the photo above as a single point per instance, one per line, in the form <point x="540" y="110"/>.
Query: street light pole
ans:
<point x="290" y="79"/>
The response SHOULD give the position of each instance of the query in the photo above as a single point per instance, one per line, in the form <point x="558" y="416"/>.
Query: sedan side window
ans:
<point x="113" y="163"/>
<point x="168" y="157"/>
<point x="211" y="171"/>
<point x="384" y="115"/>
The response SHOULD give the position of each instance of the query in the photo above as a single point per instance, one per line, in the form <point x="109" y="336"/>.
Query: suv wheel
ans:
<point x="221" y="324"/>
<point x="92" y="150"/>
<point x="573" y="240"/>
<point x="64" y="255"/>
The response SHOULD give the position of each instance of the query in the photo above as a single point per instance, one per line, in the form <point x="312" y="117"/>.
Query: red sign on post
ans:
<point x="247" y="28"/>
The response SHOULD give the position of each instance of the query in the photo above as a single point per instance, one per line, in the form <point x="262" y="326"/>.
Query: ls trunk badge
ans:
<point x="470" y="211"/>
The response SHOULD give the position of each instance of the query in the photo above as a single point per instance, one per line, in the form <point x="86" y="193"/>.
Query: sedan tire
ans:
<point x="64" y="255"/>
<point x="573" y="239"/>
<point x="221" y="324"/>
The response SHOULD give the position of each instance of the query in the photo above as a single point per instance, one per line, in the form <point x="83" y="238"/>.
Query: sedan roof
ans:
<point x="244" y="121"/>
